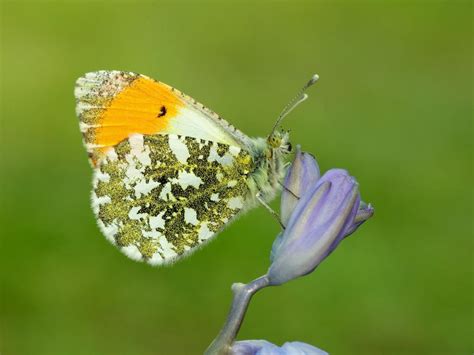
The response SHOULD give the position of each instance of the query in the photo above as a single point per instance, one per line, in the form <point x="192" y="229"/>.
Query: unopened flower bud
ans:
<point x="324" y="215"/>
<point x="263" y="347"/>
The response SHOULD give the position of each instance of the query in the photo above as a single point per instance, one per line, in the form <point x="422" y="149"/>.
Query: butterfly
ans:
<point x="169" y="173"/>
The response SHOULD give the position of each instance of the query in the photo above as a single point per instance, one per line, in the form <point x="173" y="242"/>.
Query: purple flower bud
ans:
<point x="325" y="214"/>
<point x="263" y="347"/>
<point x="302" y="174"/>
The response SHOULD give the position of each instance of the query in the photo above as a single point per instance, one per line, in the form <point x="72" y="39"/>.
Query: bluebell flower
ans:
<point x="263" y="347"/>
<point x="318" y="213"/>
<point x="328" y="210"/>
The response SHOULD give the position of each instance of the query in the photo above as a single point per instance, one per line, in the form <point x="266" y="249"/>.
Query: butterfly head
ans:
<point x="279" y="141"/>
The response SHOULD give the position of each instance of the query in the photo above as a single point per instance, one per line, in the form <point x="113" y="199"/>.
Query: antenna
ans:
<point x="299" y="98"/>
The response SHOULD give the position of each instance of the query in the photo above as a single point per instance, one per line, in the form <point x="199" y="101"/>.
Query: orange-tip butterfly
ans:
<point x="169" y="173"/>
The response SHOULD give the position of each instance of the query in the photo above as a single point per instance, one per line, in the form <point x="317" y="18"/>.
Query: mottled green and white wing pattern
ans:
<point x="158" y="197"/>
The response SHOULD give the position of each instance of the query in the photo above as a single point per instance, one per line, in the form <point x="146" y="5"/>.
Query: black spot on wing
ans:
<point x="162" y="111"/>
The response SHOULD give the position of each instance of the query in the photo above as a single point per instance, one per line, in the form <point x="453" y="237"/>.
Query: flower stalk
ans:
<point x="318" y="212"/>
<point x="222" y="344"/>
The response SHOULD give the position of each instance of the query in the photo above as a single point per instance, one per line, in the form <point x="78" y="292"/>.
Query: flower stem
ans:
<point x="222" y="344"/>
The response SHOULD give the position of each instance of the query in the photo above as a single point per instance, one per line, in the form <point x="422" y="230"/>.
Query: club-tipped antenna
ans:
<point x="299" y="98"/>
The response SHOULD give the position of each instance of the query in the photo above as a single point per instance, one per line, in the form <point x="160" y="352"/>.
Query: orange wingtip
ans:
<point x="145" y="106"/>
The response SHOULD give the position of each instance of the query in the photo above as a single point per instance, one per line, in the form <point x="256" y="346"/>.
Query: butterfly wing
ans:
<point x="169" y="173"/>
<point x="158" y="197"/>
<point x="112" y="105"/>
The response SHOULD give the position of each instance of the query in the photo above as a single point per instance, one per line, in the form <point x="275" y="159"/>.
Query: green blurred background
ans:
<point x="393" y="106"/>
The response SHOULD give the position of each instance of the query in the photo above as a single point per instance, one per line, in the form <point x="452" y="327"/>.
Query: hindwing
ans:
<point x="158" y="197"/>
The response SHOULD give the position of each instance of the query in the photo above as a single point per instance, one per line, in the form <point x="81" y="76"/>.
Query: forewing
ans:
<point x="159" y="197"/>
<point x="113" y="105"/>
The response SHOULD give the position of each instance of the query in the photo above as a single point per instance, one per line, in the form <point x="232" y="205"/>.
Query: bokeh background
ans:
<point x="393" y="106"/>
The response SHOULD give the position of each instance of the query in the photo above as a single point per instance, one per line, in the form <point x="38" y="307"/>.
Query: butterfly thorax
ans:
<point x="270" y="165"/>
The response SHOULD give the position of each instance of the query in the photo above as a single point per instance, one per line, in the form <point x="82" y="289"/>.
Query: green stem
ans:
<point x="242" y="295"/>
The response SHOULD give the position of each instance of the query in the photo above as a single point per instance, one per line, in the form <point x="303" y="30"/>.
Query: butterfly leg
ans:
<point x="269" y="209"/>
<point x="288" y="190"/>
